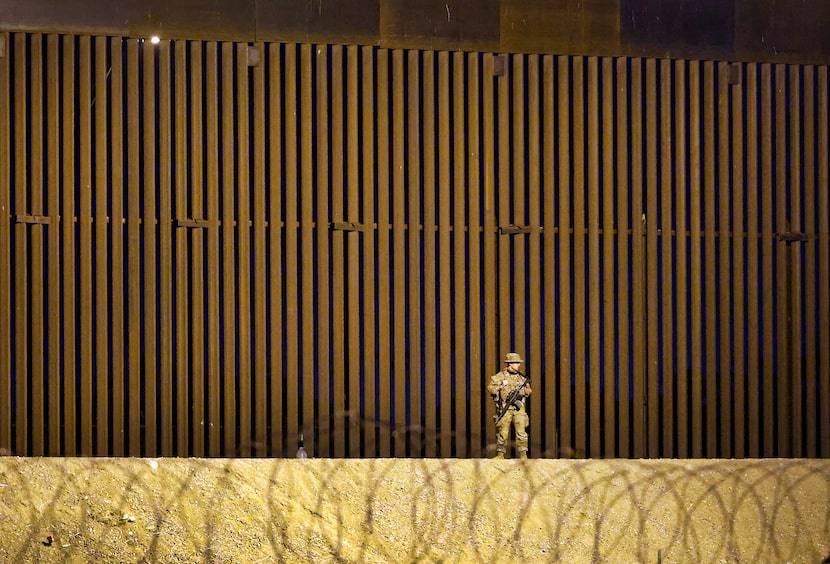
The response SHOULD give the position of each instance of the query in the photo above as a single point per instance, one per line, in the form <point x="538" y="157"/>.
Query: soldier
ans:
<point x="510" y="385"/>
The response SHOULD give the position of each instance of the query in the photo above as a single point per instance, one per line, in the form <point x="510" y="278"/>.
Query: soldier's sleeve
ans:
<point x="527" y="391"/>
<point x="493" y="386"/>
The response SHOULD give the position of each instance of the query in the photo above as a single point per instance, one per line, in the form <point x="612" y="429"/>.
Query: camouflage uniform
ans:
<point x="501" y="386"/>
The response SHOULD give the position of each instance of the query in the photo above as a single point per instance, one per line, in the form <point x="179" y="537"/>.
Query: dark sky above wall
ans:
<point x="748" y="30"/>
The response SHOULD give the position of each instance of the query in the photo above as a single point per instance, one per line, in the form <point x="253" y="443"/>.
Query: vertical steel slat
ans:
<point x="652" y="281"/>
<point x="579" y="266"/>
<point x="514" y="164"/>
<point x="370" y="264"/>
<point x="435" y="260"/>
<point x="22" y="371"/>
<point x="725" y="397"/>
<point x="309" y="362"/>
<point x="338" y="247"/>
<point x="213" y="420"/>
<point x="432" y="265"/>
<point x="228" y="237"/>
<point x="384" y="290"/>
<point x="490" y="239"/>
<point x="696" y="351"/>
<point x="594" y="280"/>
<point x="149" y="230"/>
<point x="535" y="272"/>
<point x="102" y="255"/>
<point x="550" y="345"/>
<point x="37" y="315"/>
<point x="443" y="337"/>
<point x="134" y="219"/>
<point x="276" y="287"/>
<point x="116" y="266"/>
<point x="415" y="235"/>
<point x="325" y="307"/>
<point x="68" y="251"/>
<point x="625" y="304"/>
<point x="767" y="257"/>
<point x="518" y="189"/>
<point x="565" y="191"/>
<point x="292" y="270"/>
<point x="794" y="116"/>
<point x="183" y="303"/>
<point x="259" y="214"/>
<point x="489" y="242"/>
<point x="399" y="368"/>
<point x="810" y="274"/>
<point x="666" y="239"/>
<point x="783" y="283"/>
<point x="737" y="275"/>
<point x="639" y="265"/>
<point x="212" y="373"/>
<point x="475" y="265"/>
<point x="53" y="183"/>
<point x="460" y="235"/>
<point x="610" y="240"/>
<point x="709" y="256"/>
<point x="243" y="249"/>
<point x="823" y="190"/>
<point x="5" y="254"/>
<point x="433" y="322"/>
<point x="86" y="407"/>
<point x="681" y="189"/>
<point x="753" y="371"/>
<point x="504" y="258"/>
<point x="197" y="258"/>
<point x="165" y="217"/>
<point x="353" y="283"/>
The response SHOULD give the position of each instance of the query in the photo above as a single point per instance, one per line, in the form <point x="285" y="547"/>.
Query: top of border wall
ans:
<point x="787" y="31"/>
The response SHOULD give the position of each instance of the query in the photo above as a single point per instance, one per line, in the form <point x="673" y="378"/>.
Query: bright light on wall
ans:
<point x="154" y="40"/>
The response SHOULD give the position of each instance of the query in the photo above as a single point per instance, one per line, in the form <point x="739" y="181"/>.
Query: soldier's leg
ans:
<point x="503" y="433"/>
<point x="520" y="423"/>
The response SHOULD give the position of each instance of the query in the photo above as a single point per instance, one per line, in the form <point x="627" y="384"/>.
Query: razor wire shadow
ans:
<point x="414" y="440"/>
<point x="414" y="510"/>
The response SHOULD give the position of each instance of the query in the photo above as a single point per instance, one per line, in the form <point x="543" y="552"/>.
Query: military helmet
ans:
<point x="512" y="357"/>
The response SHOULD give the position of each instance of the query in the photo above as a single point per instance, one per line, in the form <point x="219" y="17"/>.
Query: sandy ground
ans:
<point x="413" y="510"/>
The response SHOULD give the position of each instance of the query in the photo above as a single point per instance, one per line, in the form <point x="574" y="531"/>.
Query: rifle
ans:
<point x="511" y="399"/>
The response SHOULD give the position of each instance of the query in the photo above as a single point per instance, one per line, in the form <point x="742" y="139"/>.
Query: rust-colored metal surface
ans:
<point x="790" y="31"/>
<point x="655" y="28"/>
<point x="78" y="16"/>
<point x="6" y="420"/>
<point x="215" y="247"/>
<point x="318" y="21"/>
<point x="441" y="24"/>
<point x="219" y="20"/>
<point x="786" y="31"/>
<point x="565" y="26"/>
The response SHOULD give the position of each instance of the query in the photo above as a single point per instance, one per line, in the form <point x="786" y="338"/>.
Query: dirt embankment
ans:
<point x="427" y="510"/>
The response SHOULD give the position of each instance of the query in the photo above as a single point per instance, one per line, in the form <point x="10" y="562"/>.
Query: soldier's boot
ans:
<point x="499" y="456"/>
<point x="523" y="454"/>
